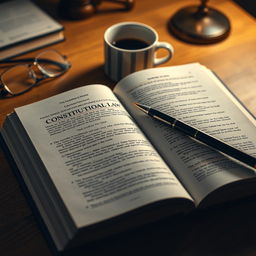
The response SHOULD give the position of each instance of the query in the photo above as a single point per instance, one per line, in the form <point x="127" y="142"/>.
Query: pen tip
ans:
<point x="142" y="107"/>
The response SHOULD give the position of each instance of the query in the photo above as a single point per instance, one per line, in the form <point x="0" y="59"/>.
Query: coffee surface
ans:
<point x="130" y="44"/>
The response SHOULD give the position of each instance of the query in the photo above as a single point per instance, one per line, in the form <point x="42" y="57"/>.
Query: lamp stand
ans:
<point x="199" y="24"/>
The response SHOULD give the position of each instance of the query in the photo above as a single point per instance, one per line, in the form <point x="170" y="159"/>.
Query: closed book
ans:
<point x="25" y="27"/>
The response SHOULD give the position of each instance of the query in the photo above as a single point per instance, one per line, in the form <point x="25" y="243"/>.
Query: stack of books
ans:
<point x="25" y="27"/>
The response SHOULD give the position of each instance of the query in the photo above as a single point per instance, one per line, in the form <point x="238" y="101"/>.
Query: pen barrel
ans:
<point x="203" y="137"/>
<point x="161" y="116"/>
<point x="216" y="144"/>
<point x="226" y="149"/>
<point x="189" y="130"/>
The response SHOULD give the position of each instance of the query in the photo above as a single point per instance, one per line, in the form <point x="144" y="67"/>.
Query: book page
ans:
<point x="191" y="93"/>
<point x="100" y="162"/>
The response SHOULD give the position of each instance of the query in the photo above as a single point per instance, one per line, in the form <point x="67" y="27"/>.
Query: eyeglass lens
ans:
<point x="21" y="78"/>
<point x="51" y="63"/>
<point x="18" y="79"/>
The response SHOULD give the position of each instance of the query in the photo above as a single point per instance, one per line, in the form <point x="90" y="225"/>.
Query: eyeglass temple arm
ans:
<point x="62" y="65"/>
<point x="17" y="61"/>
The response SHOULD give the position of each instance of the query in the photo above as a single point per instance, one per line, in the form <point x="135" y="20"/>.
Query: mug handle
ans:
<point x="170" y="51"/>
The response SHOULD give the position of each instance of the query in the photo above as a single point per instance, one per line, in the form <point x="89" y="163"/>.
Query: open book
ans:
<point x="94" y="164"/>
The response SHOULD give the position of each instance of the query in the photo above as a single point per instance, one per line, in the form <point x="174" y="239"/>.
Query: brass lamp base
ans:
<point x="201" y="27"/>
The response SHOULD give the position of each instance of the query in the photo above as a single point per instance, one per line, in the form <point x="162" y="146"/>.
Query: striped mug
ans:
<point x="132" y="46"/>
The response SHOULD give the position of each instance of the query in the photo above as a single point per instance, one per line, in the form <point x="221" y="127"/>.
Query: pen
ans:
<point x="199" y="135"/>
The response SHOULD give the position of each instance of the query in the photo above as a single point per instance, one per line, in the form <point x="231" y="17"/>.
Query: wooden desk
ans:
<point x="225" y="230"/>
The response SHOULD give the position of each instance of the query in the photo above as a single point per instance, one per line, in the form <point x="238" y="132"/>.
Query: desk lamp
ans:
<point x="199" y="24"/>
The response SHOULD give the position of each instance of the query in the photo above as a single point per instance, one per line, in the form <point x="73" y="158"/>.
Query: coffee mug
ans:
<point x="132" y="46"/>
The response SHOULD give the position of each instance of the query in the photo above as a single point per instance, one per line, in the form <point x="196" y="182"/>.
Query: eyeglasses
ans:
<point x="22" y="77"/>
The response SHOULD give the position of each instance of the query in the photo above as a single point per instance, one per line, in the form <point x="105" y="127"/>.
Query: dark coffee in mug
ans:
<point x="130" y="44"/>
<point x="130" y="47"/>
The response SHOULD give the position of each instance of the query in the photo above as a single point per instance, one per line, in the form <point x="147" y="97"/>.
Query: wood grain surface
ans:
<point x="228" y="229"/>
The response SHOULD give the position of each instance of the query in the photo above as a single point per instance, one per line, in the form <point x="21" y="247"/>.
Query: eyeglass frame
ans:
<point x="4" y="90"/>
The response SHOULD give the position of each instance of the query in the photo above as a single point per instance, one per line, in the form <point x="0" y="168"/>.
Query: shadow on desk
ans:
<point x="248" y="5"/>
<point x="95" y="75"/>
<point x="223" y="230"/>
